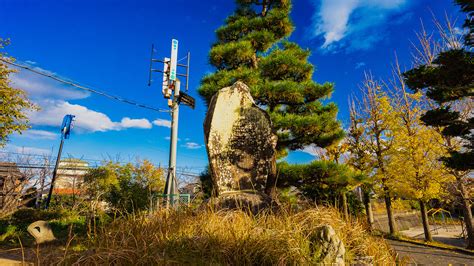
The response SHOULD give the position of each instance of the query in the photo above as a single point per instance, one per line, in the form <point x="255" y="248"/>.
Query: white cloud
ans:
<point x="162" y="123"/>
<point x="136" y="123"/>
<point x="192" y="145"/>
<point x="38" y="134"/>
<point x="27" y="150"/>
<point x="86" y="120"/>
<point x="351" y="23"/>
<point x="52" y="97"/>
<point x="39" y="88"/>
<point x="312" y="150"/>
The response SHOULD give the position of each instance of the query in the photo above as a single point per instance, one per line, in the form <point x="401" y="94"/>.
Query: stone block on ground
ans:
<point x="327" y="246"/>
<point x="41" y="231"/>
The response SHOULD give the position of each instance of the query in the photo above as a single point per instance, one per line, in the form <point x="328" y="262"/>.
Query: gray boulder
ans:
<point x="328" y="248"/>
<point x="41" y="231"/>
<point x="239" y="140"/>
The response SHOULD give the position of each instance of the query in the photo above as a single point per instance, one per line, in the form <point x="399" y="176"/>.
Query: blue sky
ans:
<point x="106" y="45"/>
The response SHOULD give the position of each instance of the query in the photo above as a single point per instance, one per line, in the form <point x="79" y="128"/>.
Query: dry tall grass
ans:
<point x="209" y="237"/>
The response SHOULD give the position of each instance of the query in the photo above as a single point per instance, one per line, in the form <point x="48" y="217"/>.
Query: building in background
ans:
<point x="70" y="176"/>
<point x="11" y="185"/>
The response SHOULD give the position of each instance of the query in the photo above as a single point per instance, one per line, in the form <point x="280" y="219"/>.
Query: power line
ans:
<point x="89" y="160"/>
<point x="101" y="93"/>
<point x="51" y="166"/>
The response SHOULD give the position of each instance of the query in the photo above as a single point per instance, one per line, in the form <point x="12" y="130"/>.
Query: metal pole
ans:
<point x="39" y="195"/>
<point x="48" y="200"/>
<point x="187" y="71"/>
<point x="170" y="187"/>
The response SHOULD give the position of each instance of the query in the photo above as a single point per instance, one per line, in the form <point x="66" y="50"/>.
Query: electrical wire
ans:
<point x="183" y="168"/>
<point x="101" y="93"/>
<point x="51" y="166"/>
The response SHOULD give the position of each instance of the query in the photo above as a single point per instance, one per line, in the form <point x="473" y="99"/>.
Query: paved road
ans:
<point x="421" y="255"/>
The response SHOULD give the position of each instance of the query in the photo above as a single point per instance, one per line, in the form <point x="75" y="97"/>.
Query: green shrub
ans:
<point x="28" y="215"/>
<point x="63" y="202"/>
<point x="10" y="231"/>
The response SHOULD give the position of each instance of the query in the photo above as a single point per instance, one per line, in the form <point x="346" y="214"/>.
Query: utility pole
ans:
<point x="171" y="188"/>
<point x="65" y="133"/>
<point x="171" y="91"/>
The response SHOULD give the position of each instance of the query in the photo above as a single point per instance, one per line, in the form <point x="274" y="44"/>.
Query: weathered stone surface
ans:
<point x="41" y="231"/>
<point x="240" y="142"/>
<point x="246" y="201"/>
<point x="327" y="246"/>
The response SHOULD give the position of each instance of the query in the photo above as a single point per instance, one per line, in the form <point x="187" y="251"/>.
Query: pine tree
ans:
<point x="340" y="184"/>
<point x="251" y="47"/>
<point x="321" y="181"/>
<point x="448" y="79"/>
<point x="467" y="6"/>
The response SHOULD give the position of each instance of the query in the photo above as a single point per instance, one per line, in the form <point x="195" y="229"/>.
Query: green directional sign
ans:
<point x="174" y="59"/>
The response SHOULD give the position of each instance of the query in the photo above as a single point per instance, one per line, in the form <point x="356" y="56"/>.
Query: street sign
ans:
<point x="186" y="99"/>
<point x="66" y="126"/>
<point x="174" y="59"/>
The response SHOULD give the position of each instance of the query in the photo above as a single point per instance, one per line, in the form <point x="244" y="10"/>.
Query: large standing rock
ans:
<point x="240" y="143"/>
<point x="41" y="231"/>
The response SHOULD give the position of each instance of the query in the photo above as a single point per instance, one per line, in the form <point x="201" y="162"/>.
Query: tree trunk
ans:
<point x="467" y="215"/>
<point x="345" y="208"/>
<point x="391" y="219"/>
<point x="264" y="8"/>
<point x="426" y="224"/>
<point x="368" y="210"/>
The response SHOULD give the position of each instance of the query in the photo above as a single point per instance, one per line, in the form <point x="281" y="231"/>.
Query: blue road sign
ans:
<point x="67" y="126"/>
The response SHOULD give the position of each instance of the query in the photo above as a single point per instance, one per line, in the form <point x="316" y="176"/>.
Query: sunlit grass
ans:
<point x="211" y="237"/>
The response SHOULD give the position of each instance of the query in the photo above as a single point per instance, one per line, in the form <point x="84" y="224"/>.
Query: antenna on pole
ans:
<point x="187" y="71"/>
<point x="151" y="64"/>
<point x="171" y="91"/>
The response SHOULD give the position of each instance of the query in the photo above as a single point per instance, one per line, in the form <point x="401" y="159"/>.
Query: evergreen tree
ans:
<point x="448" y="79"/>
<point x="251" y="47"/>
<point x="467" y="6"/>
<point x="324" y="182"/>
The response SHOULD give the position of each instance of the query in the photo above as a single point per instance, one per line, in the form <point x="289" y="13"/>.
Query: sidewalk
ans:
<point x="450" y="235"/>
<point x="423" y="255"/>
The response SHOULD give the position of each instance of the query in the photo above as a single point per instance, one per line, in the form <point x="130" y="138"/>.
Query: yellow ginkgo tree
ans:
<point x="376" y="120"/>
<point x="418" y="173"/>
